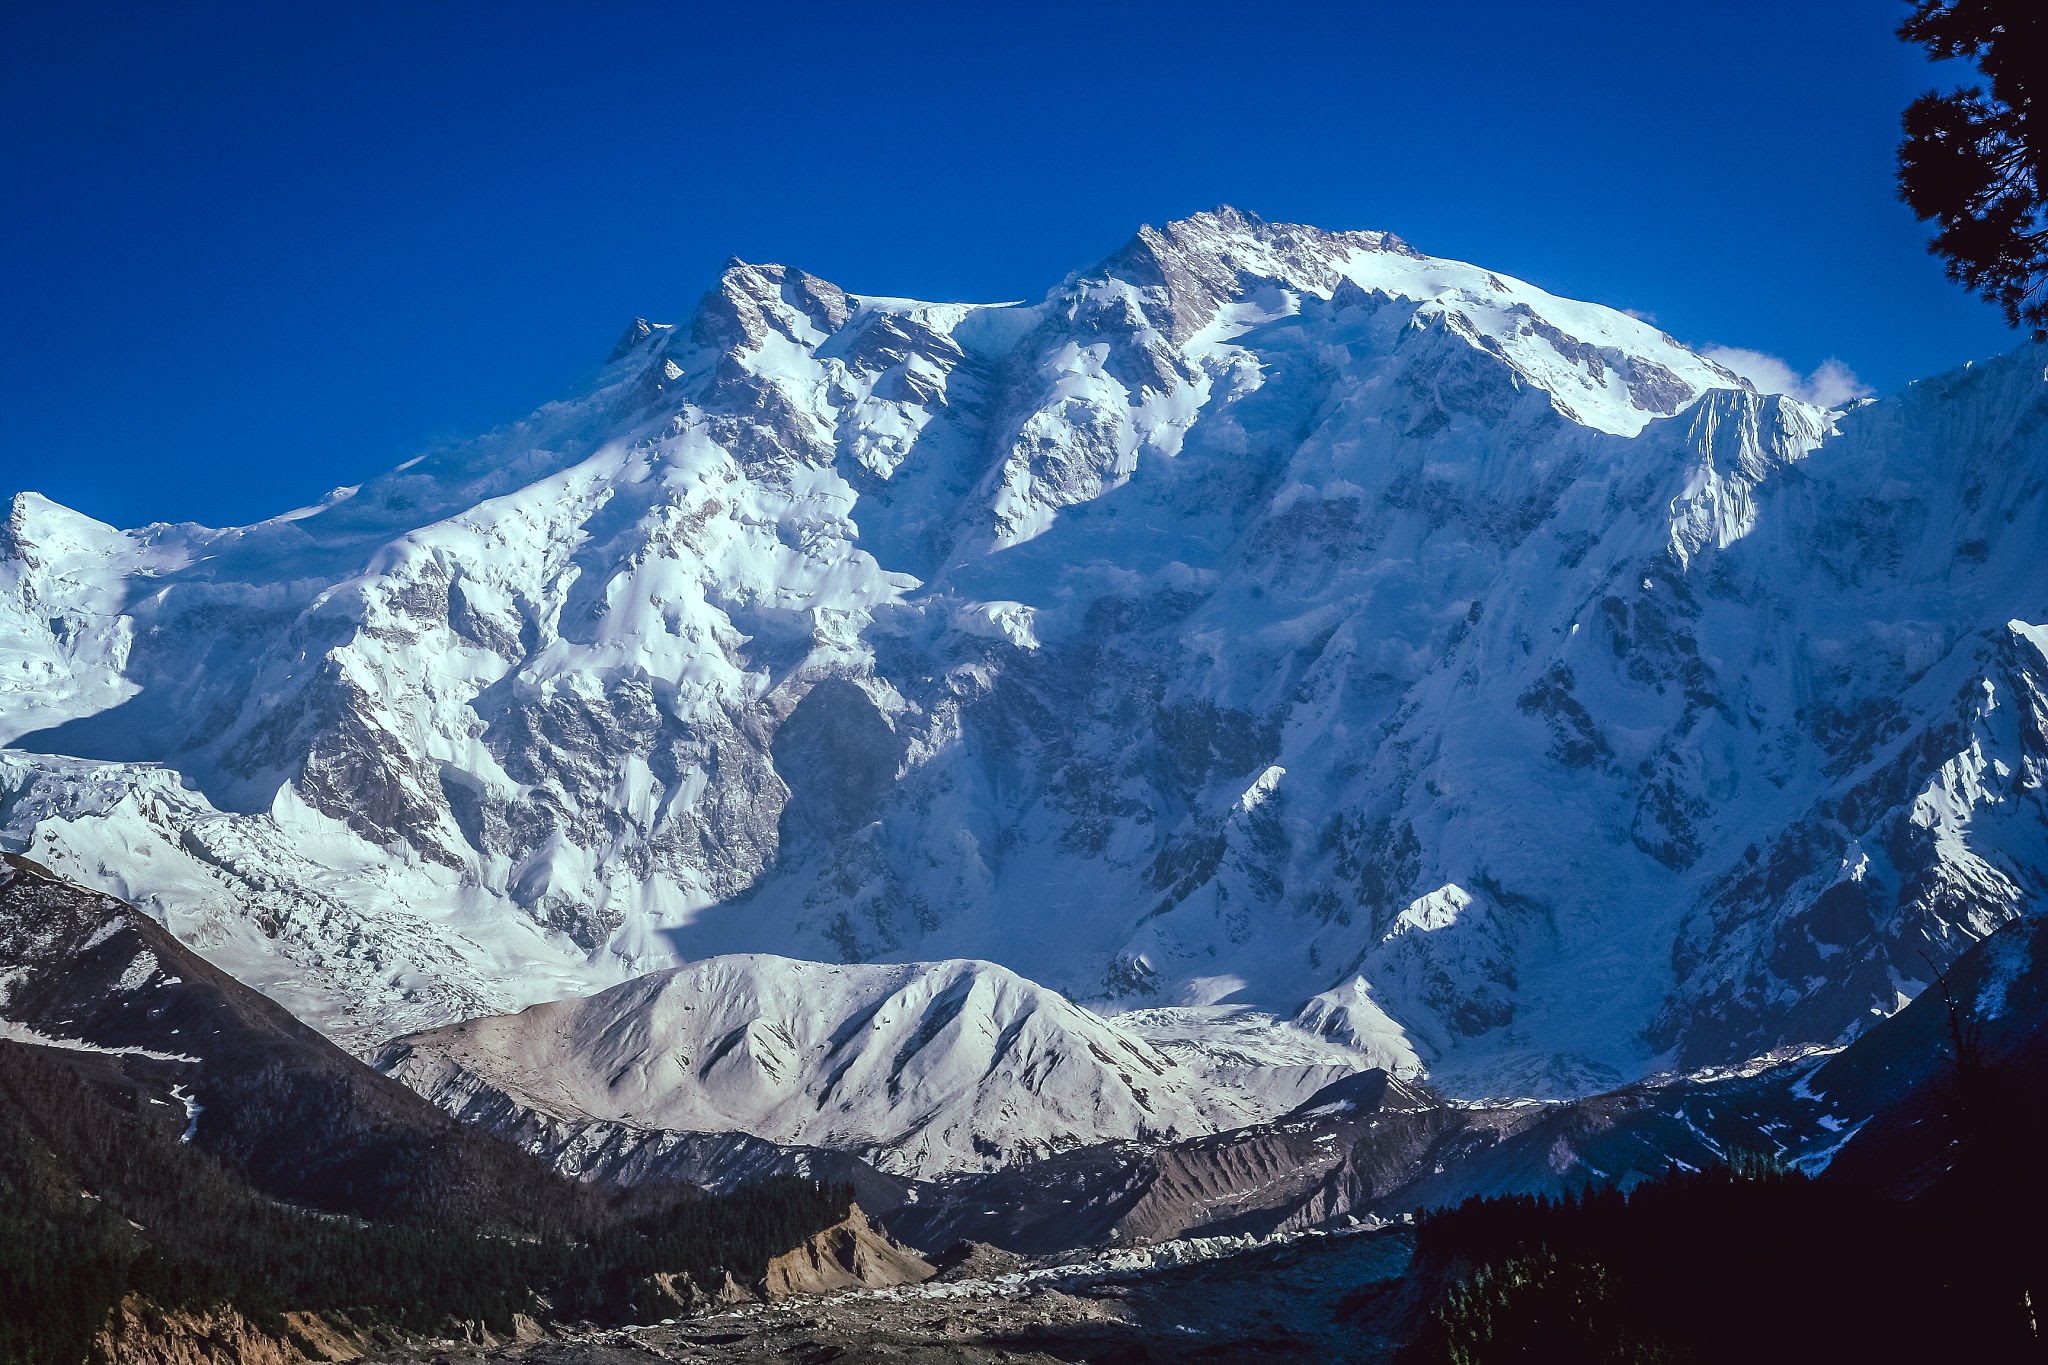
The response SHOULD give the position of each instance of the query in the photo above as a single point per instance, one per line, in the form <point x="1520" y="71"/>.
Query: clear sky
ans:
<point x="252" y="253"/>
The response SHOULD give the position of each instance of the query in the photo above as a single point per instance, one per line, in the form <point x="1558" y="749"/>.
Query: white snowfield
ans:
<point x="924" y="1069"/>
<point x="1269" y="624"/>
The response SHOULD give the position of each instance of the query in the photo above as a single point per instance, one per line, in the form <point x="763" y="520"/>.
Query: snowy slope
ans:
<point x="1268" y="622"/>
<point x="925" y="1068"/>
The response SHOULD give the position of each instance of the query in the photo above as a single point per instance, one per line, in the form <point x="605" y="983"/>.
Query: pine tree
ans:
<point x="1971" y="158"/>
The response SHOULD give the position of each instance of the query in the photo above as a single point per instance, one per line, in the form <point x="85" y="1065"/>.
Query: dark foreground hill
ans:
<point x="292" y="1114"/>
<point x="180" y="1160"/>
<point x="1755" y="1263"/>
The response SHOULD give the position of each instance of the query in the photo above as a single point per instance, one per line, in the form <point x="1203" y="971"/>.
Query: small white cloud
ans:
<point x="1830" y="385"/>
<point x="1641" y="315"/>
<point x="1768" y="373"/>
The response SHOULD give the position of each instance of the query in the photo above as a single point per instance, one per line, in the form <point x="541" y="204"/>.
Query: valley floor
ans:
<point x="1318" y="1299"/>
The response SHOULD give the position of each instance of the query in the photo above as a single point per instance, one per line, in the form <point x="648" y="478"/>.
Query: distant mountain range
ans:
<point x="1320" y="656"/>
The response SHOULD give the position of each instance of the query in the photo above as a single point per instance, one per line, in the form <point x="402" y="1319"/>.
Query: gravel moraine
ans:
<point x="1315" y="1299"/>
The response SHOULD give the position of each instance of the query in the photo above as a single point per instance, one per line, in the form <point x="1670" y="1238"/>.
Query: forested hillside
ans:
<point x="171" y="1139"/>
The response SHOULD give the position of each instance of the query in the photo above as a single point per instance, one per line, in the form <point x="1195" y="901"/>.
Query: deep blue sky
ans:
<point x="252" y="253"/>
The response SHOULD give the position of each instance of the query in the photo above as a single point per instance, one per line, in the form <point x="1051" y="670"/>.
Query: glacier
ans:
<point x="1268" y="629"/>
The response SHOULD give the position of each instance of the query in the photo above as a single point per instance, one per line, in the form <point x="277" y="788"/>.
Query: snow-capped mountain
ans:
<point x="1269" y="622"/>
<point x="923" y="1068"/>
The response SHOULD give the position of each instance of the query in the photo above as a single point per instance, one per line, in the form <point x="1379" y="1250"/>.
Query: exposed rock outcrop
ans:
<point x="854" y="1254"/>
<point x="141" y="1333"/>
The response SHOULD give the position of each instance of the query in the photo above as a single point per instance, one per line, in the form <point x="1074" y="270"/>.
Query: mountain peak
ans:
<point x="636" y="334"/>
<point x="1235" y="242"/>
<point x="1192" y="266"/>
<point x="35" y="522"/>
<point x="751" y="301"/>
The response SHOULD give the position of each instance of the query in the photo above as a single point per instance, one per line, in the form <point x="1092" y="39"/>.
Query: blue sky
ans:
<point x="252" y="253"/>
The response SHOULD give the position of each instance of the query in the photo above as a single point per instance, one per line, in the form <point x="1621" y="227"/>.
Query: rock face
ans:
<point x="849" y="1255"/>
<point x="1270" y="618"/>
<point x="141" y="1333"/>
<point x="922" y="1069"/>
